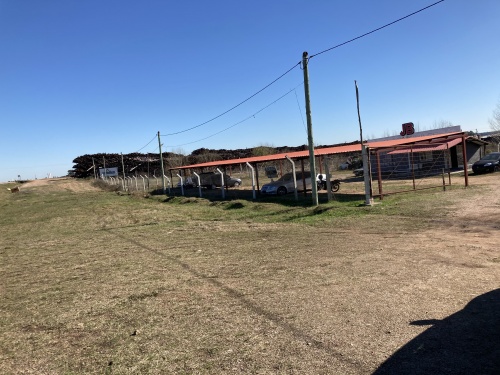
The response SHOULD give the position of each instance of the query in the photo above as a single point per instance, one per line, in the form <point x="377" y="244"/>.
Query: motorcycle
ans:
<point x="334" y="185"/>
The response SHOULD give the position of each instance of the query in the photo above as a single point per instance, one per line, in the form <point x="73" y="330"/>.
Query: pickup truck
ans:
<point x="211" y="180"/>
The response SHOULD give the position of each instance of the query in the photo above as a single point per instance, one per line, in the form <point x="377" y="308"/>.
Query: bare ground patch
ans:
<point x="61" y="184"/>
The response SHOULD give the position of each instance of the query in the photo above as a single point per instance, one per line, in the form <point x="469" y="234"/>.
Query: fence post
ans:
<point x="168" y="183"/>
<point x="379" y="175"/>
<point x="295" y="178"/>
<point x="412" y="167"/>
<point x="253" y="179"/>
<point x="199" y="182"/>
<point x="182" y="184"/>
<point x="328" y="182"/>
<point x="222" y="183"/>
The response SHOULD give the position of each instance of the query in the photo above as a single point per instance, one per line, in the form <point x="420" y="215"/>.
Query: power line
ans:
<point x="237" y="105"/>
<point x="375" y="30"/>
<point x="239" y="122"/>
<point x="294" y="66"/>
<point x="300" y="110"/>
<point x="147" y="144"/>
<point x="274" y="81"/>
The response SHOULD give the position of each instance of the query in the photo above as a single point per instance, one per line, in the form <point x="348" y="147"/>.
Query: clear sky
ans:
<point x="104" y="76"/>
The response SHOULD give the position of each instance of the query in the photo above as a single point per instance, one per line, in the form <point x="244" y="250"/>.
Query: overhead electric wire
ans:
<point x="375" y="30"/>
<point x="147" y="143"/>
<point x="299" y="63"/>
<point x="239" y="122"/>
<point x="302" y="117"/>
<point x="237" y="105"/>
<point x="281" y="76"/>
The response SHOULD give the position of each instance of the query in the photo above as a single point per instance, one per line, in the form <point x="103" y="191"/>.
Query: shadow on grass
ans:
<point x="304" y="200"/>
<point x="235" y="206"/>
<point x="346" y="198"/>
<point x="467" y="342"/>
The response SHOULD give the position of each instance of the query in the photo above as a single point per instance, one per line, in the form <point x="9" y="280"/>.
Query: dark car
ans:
<point x="210" y="180"/>
<point x="488" y="163"/>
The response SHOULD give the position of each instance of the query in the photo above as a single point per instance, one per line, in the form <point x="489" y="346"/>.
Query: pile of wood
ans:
<point x="149" y="164"/>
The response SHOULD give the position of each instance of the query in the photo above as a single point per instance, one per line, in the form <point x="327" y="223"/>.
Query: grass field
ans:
<point x="98" y="282"/>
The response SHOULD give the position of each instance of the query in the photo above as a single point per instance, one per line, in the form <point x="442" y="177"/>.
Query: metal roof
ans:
<point x="405" y="142"/>
<point x="379" y="145"/>
<point x="427" y="148"/>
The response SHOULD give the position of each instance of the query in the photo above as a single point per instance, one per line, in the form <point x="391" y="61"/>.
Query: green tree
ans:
<point x="263" y="150"/>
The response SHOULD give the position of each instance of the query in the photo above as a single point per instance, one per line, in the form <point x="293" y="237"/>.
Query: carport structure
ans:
<point x="421" y="157"/>
<point x="378" y="151"/>
<point x="254" y="161"/>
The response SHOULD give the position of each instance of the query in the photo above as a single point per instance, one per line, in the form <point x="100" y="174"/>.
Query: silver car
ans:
<point x="284" y="185"/>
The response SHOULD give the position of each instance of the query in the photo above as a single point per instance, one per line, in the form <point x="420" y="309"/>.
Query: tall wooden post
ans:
<point x="464" y="155"/>
<point x="123" y="172"/>
<point x="364" y="156"/>
<point x="161" y="163"/>
<point x="312" y="161"/>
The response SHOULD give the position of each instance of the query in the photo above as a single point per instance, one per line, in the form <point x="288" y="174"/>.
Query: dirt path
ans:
<point x="62" y="183"/>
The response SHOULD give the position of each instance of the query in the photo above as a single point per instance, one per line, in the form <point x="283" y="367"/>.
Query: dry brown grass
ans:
<point x="96" y="282"/>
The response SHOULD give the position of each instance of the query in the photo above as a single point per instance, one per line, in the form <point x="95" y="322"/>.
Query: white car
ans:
<point x="284" y="185"/>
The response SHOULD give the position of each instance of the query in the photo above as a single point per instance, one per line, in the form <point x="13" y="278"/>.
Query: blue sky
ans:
<point x="104" y="76"/>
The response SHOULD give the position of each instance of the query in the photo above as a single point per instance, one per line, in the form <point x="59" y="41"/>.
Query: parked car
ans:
<point x="488" y="163"/>
<point x="210" y="180"/>
<point x="188" y="183"/>
<point x="284" y="185"/>
<point x="232" y="181"/>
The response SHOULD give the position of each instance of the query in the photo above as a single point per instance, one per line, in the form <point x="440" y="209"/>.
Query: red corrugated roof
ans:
<point x="426" y="148"/>
<point x="292" y="155"/>
<point x="392" y="143"/>
<point x="435" y="138"/>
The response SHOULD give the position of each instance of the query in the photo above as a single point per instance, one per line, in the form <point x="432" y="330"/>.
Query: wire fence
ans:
<point x="406" y="170"/>
<point x="391" y="172"/>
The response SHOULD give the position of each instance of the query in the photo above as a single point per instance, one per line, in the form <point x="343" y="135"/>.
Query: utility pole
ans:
<point x="364" y="157"/>
<point x="312" y="162"/>
<point x="161" y="163"/>
<point x="123" y="170"/>
<point x="93" y="166"/>
<point x="104" y="162"/>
